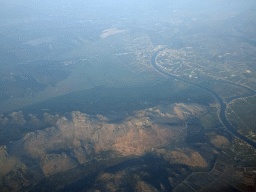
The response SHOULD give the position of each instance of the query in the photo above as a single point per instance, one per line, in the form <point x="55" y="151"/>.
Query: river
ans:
<point x="148" y="161"/>
<point x="222" y="112"/>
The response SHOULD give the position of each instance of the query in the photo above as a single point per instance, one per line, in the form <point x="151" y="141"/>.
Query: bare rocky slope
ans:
<point x="78" y="138"/>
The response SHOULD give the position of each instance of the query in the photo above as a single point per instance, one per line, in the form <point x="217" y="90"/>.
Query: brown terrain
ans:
<point x="69" y="142"/>
<point x="163" y="147"/>
<point x="185" y="156"/>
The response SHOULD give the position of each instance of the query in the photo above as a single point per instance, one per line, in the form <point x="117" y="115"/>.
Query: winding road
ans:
<point x="222" y="113"/>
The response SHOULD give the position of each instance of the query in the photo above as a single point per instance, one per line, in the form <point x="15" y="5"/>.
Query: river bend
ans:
<point x="222" y="113"/>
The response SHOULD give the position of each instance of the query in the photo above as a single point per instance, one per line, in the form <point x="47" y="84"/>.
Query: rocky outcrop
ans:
<point x="86" y="135"/>
<point x="80" y="154"/>
<point x="220" y="141"/>
<point x="3" y="120"/>
<point x="6" y="163"/>
<point x="14" y="174"/>
<point x="15" y="125"/>
<point x="54" y="163"/>
<point x="17" y="118"/>
<point x="38" y="143"/>
<point x="137" y="142"/>
<point x="184" y="156"/>
<point x="79" y="138"/>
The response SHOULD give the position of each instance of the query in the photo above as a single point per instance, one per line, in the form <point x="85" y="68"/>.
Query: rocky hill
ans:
<point x="78" y="138"/>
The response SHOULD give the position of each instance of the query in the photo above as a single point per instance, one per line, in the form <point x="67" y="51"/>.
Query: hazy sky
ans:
<point x="28" y="8"/>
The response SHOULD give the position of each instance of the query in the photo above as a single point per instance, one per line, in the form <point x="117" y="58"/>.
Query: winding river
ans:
<point x="148" y="161"/>
<point x="222" y="113"/>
